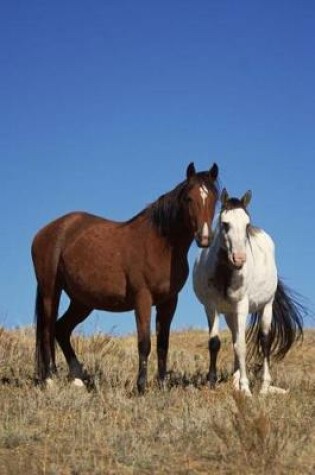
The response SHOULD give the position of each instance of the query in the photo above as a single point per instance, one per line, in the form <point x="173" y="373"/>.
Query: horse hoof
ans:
<point x="141" y="390"/>
<point x="77" y="382"/>
<point x="49" y="383"/>
<point x="245" y="392"/>
<point x="273" y="390"/>
<point x="162" y="384"/>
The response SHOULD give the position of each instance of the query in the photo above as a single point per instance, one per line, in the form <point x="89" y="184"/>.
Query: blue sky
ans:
<point x="105" y="103"/>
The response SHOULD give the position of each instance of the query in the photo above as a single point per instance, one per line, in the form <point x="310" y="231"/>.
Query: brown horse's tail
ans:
<point x="46" y="250"/>
<point x="39" y="323"/>
<point x="286" y="325"/>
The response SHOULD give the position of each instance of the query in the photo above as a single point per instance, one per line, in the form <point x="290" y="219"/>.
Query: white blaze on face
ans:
<point x="204" y="193"/>
<point x="205" y="231"/>
<point x="205" y="228"/>
<point x="237" y="221"/>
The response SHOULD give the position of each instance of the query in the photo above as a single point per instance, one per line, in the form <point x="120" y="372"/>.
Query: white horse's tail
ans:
<point x="286" y="325"/>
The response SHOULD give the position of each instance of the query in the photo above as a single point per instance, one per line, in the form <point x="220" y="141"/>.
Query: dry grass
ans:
<point x="185" y="430"/>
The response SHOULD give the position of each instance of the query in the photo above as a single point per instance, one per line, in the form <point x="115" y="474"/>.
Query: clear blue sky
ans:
<point x="103" y="104"/>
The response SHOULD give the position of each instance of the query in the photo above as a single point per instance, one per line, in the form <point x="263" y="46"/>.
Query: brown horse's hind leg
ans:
<point x="164" y="316"/>
<point x="75" y="314"/>
<point x="46" y="314"/>
<point x="143" y="319"/>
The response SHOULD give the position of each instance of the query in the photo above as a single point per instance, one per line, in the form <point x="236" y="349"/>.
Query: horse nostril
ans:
<point x="202" y="240"/>
<point x="239" y="257"/>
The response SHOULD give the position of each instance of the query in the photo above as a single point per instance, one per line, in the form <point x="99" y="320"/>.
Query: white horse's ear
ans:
<point x="191" y="171"/>
<point x="224" y="197"/>
<point x="246" y="198"/>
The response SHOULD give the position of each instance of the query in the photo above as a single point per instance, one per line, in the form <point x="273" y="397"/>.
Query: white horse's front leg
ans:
<point x="214" y="343"/>
<point x="240" y="345"/>
<point x="231" y="322"/>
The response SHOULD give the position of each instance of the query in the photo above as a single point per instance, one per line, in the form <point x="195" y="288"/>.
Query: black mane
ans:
<point x="165" y="212"/>
<point x="233" y="203"/>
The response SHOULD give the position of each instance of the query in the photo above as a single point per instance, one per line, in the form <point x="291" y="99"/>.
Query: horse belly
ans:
<point x="261" y="289"/>
<point x="261" y="294"/>
<point x="161" y="291"/>
<point x="96" y="281"/>
<point x="163" y="283"/>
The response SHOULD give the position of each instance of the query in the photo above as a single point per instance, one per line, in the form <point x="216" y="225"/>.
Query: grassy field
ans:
<point x="187" y="429"/>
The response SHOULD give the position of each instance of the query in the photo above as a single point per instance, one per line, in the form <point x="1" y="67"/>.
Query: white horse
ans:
<point x="237" y="276"/>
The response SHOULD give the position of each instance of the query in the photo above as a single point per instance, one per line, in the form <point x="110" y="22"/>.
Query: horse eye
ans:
<point x="226" y="227"/>
<point x="188" y="199"/>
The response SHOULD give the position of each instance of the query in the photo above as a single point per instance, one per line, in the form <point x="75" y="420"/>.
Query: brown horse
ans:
<point x="120" y="266"/>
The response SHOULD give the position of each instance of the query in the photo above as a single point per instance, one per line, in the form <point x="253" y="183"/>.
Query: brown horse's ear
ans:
<point x="214" y="171"/>
<point x="191" y="171"/>
<point x="246" y="198"/>
<point x="224" y="197"/>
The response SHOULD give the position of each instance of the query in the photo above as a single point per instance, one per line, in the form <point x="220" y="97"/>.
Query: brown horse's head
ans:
<point x="186" y="212"/>
<point x="200" y="196"/>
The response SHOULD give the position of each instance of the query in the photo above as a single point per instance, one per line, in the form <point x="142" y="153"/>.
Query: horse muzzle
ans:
<point x="238" y="259"/>
<point x="202" y="242"/>
<point x="203" y="239"/>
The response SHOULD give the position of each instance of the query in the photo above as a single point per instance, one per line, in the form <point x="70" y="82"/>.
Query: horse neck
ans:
<point x="180" y="238"/>
<point x="225" y="278"/>
<point x="173" y="230"/>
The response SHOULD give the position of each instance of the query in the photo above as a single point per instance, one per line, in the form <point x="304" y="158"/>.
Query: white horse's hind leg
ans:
<point x="214" y="343"/>
<point x="265" y="326"/>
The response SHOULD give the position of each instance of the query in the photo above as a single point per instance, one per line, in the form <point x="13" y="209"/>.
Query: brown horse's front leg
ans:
<point x="164" y="316"/>
<point x="143" y="319"/>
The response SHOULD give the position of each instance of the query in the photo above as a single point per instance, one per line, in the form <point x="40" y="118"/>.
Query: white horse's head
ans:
<point x="234" y="223"/>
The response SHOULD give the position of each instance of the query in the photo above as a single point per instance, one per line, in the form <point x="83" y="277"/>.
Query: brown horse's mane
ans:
<point x="165" y="212"/>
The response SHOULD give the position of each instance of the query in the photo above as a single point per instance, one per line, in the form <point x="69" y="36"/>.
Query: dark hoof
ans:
<point x="212" y="381"/>
<point x="89" y="382"/>
<point x="141" y="390"/>
<point x="162" y="384"/>
<point x="141" y="385"/>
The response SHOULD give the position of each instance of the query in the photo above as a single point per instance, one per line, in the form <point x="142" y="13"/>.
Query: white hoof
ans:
<point x="236" y="381"/>
<point x="49" y="382"/>
<point x="246" y="392"/>
<point x="244" y="387"/>
<point x="78" y="383"/>
<point x="273" y="390"/>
